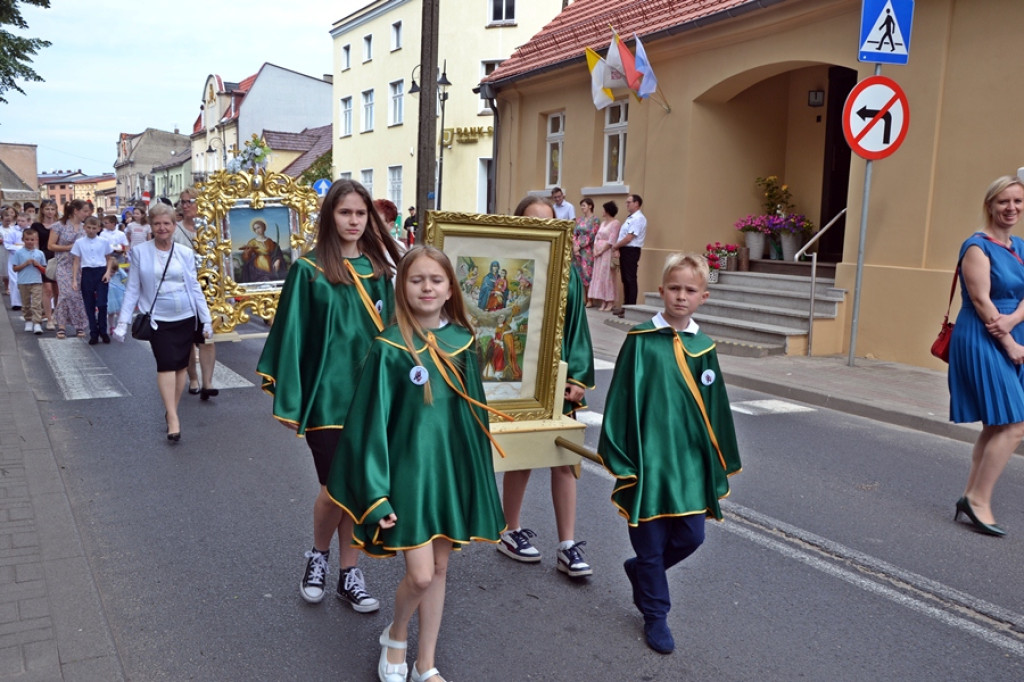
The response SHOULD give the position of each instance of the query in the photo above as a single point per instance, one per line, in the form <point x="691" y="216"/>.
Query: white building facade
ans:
<point x="376" y="59"/>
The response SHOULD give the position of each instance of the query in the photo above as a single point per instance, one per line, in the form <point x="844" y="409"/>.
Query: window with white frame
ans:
<point x="396" y="36"/>
<point x="367" y="111"/>
<point x="616" y="118"/>
<point x="347" y="175"/>
<point x="345" y="116"/>
<point x="395" y="185"/>
<point x="346" y="57"/>
<point x="487" y="67"/>
<point x="366" y="175"/>
<point x="553" y="155"/>
<point x="502" y="11"/>
<point x="396" y="112"/>
<point x="367" y="48"/>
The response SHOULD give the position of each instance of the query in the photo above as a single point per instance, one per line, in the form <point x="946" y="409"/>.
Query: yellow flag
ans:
<point x="598" y="67"/>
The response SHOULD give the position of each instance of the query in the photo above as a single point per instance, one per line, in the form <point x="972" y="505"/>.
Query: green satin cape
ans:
<point x="429" y="464"/>
<point x="318" y="341"/>
<point x="577" y="348"/>
<point x="654" y="439"/>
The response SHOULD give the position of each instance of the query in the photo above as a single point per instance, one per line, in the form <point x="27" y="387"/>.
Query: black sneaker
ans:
<point x="104" y="338"/>
<point x="570" y="561"/>
<point x="93" y="340"/>
<point x="352" y="589"/>
<point x="515" y="544"/>
<point x="315" y="577"/>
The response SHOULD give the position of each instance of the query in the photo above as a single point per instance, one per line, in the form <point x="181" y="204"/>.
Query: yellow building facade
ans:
<point x="376" y="57"/>
<point x="739" y="94"/>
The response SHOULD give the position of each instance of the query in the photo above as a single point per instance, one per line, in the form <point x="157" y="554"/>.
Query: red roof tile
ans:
<point x="588" y="23"/>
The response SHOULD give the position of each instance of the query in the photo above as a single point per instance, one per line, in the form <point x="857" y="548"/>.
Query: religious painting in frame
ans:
<point x="250" y="228"/>
<point x="514" y="277"/>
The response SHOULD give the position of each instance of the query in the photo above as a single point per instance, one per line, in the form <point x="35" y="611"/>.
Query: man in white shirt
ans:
<point x="630" y="241"/>
<point x="563" y="209"/>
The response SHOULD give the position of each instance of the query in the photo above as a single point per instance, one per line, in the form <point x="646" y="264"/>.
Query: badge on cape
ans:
<point x="708" y="377"/>
<point x="419" y="375"/>
<point x="379" y="305"/>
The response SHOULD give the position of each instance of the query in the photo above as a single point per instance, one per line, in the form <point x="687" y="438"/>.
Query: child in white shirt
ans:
<point x="92" y="264"/>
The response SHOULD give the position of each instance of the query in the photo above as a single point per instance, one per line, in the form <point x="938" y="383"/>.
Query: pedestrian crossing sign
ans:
<point x="885" y="31"/>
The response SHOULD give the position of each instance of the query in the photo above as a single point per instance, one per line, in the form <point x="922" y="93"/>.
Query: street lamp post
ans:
<point x="210" y="149"/>
<point x="442" y="96"/>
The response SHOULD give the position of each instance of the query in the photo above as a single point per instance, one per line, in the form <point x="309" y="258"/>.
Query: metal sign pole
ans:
<point x="865" y="202"/>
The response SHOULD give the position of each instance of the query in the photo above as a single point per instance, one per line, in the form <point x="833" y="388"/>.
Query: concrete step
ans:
<point x="825" y="302"/>
<point x="754" y="312"/>
<point x="793" y="302"/>
<point x="779" y="267"/>
<point x="724" y="327"/>
<point x="759" y="281"/>
<point x="725" y="344"/>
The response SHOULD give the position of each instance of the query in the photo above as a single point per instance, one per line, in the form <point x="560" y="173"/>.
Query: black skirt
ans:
<point x="172" y="342"/>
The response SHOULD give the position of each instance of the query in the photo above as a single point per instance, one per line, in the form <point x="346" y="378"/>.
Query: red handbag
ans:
<point x="940" y="347"/>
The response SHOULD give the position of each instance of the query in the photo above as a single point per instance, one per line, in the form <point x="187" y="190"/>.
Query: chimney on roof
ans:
<point x="176" y="131"/>
<point x="328" y="78"/>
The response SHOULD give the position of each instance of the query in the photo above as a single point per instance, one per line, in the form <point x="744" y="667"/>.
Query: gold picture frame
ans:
<point x="242" y="268"/>
<point x="514" y="275"/>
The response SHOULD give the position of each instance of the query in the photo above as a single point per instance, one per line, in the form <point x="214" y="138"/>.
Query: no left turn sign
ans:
<point x="875" y="117"/>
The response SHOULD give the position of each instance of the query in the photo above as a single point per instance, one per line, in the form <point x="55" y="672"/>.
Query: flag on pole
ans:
<point x="649" y="84"/>
<point x="602" y="96"/>
<point x="628" y="64"/>
<point x="615" y="74"/>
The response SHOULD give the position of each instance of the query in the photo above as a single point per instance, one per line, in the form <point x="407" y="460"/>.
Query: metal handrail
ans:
<point x="814" y="274"/>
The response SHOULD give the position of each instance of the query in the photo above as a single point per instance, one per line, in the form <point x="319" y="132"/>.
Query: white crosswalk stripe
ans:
<point x="771" y="406"/>
<point x="79" y="372"/>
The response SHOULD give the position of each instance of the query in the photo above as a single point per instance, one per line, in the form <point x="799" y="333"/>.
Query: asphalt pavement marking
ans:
<point x="79" y="372"/>
<point x="227" y="378"/>
<point x="988" y="622"/>
<point x="770" y="406"/>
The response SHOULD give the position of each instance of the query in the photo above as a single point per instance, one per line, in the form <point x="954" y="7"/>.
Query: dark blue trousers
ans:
<point x="660" y="544"/>
<point x="94" y="295"/>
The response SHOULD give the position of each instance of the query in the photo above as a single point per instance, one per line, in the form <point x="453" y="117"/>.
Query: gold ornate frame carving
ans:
<point x="521" y="372"/>
<point x="272" y="198"/>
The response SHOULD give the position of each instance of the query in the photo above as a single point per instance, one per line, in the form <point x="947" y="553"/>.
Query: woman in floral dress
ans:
<point x="70" y="308"/>
<point x="583" y="243"/>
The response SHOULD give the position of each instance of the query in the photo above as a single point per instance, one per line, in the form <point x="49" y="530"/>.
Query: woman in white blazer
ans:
<point x="179" y="317"/>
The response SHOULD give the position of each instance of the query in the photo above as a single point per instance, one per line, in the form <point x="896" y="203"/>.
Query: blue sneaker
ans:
<point x="515" y="544"/>
<point x="659" y="637"/>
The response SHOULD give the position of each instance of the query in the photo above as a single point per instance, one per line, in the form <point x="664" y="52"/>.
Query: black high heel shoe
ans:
<point x="963" y="506"/>
<point x="207" y="393"/>
<point x="173" y="437"/>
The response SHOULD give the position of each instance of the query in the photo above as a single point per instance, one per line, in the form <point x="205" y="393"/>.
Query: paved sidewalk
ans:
<point x="52" y="626"/>
<point x="889" y="392"/>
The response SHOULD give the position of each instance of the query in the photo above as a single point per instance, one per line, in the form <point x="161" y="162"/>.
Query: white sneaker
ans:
<point x="37" y="329"/>
<point x="570" y="561"/>
<point x="28" y="326"/>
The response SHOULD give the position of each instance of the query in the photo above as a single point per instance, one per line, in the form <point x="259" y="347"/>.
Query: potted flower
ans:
<point x="756" y="230"/>
<point x="777" y="198"/>
<point x="714" y="265"/>
<point x="793" y="230"/>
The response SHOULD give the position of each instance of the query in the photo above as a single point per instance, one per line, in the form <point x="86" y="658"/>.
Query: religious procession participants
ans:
<point x="185" y="234"/>
<point x="578" y="353"/>
<point x="334" y="302"/>
<point x="414" y="467"/>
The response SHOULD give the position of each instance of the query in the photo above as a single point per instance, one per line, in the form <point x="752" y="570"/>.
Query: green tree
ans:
<point x="16" y="51"/>
<point x="321" y="168"/>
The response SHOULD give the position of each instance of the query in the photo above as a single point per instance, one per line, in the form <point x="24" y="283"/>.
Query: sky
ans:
<point x="126" y="65"/>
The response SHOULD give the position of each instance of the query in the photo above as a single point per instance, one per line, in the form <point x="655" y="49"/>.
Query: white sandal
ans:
<point x="390" y="672"/>
<point x="417" y="677"/>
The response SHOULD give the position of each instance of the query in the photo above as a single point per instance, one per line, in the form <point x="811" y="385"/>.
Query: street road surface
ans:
<point x="838" y="558"/>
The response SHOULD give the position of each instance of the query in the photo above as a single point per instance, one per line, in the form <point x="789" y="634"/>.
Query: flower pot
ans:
<point x="755" y="242"/>
<point x="774" y="248"/>
<point x="713" y="277"/>
<point x="743" y="259"/>
<point x="791" y="243"/>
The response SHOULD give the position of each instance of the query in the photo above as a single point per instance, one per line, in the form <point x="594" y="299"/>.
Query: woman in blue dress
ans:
<point x="986" y="355"/>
